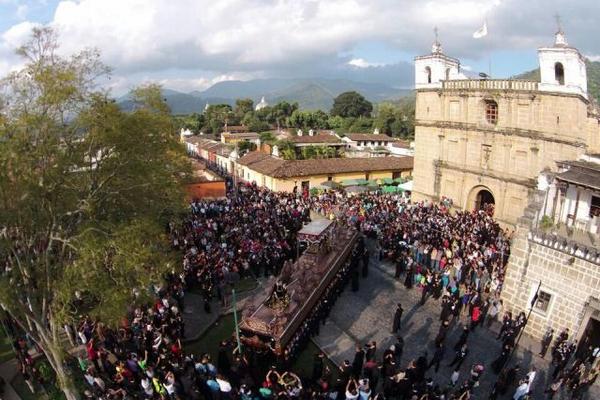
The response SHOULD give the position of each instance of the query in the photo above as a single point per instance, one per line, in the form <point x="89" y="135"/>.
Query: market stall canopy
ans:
<point x="408" y="186"/>
<point x="320" y="187"/>
<point x="386" y="181"/>
<point x="350" y="182"/>
<point x="356" y="189"/>
<point x="331" y="184"/>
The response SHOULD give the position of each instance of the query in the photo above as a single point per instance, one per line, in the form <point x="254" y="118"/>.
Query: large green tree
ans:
<point x="216" y="116"/>
<point x="351" y="104"/>
<point x="85" y="191"/>
<point x="243" y="107"/>
<point x="309" y="120"/>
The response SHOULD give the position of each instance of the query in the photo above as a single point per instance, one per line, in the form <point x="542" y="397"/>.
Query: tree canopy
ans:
<point x="351" y="105"/>
<point x="86" y="190"/>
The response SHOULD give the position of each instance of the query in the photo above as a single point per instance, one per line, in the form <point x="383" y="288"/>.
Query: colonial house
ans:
<point x="236" y="137"/>
<point x="364" y="141"/>
<point x="277" y="174"/>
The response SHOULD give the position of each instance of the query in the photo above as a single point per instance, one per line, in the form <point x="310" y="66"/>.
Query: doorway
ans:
<point x="590" y="338"/>
<point x="484" y="200"/>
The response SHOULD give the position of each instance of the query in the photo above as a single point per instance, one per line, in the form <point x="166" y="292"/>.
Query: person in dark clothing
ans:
<point x="400" y="266"/>
<point x="441" y="336"/>
<point x="499" y="362"/>
<point x="223" y="363"/>
<point x="354" y="277"/>
<point x="371" y="350"/>
<point x="462" y="339"/>
<point x="365" y="263"/>
<point x="317" y="371"/>
<point x="460" y="356"/>
<point x="438" y="356"/>
<point x="397" y="318"/>
<point x="398" y="349"/>
<point x="546" y="340"/>
<point x="424" y="292"/>
<point x="408" y="281"/>
<point x="421" y="368"/>
<point x="357" y="363"/>
<point x="345" y="371"/>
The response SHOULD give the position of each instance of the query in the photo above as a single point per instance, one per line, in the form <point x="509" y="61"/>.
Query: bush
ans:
<point x="546" y="223"/>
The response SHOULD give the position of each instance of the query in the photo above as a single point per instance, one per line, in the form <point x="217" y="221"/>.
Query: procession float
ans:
<point x="272" y="317"/>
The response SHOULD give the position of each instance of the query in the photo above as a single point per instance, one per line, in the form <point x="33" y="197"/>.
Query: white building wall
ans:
<point x="583" y="209"/>
<point x="438" y="65"/>
<point x="575" y="74"/>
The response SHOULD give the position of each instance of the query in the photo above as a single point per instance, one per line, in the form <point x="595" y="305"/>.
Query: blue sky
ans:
<point x="190" y="44"/>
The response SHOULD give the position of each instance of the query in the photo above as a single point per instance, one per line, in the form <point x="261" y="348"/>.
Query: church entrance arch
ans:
<point x="480" y="198"/>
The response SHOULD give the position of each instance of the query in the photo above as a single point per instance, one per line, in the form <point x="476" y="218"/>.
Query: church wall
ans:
<point x="527" y="139"/>
<point x="570" y="280"/>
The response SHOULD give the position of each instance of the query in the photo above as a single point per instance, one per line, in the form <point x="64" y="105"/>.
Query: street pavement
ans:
<point x="366" y="315"/>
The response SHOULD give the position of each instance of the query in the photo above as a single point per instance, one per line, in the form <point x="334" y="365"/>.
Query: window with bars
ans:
<point x="491" y="112"/>
<point x="543" y="301"/>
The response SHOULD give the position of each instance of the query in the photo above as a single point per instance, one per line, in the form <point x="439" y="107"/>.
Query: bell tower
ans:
<point x="562" y="67"/>
<point x="432" y="69"/>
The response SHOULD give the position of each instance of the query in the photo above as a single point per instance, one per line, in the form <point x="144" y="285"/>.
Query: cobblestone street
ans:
<point x="367" y="315"/>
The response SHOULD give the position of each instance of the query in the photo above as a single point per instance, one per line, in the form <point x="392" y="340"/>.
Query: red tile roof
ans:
<point x="321" y="138"/>
<point x="370" y="136"/>
<point x="278" y="168"/>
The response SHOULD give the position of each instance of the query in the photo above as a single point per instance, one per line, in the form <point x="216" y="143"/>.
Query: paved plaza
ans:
<point x="367" y="315"/>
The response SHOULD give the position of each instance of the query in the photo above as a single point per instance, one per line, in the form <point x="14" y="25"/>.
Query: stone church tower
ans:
<point x="485" y="141"/>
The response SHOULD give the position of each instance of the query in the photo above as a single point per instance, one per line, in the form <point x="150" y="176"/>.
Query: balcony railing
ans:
<point x="490" y="84"/>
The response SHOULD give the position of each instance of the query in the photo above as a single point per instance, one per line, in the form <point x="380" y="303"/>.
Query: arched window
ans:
<point x="491" y="112"/>
<point x="559" y="73"/>
<point x="428" y="72"/>
<point x="447" y="74"/>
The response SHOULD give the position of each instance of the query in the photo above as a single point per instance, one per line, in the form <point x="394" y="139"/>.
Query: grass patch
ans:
<point x="49" y="390"/>
<point x="209" y="341"/>
<point x="223" y="329"/>
<point x="303" y="365"/>
<point x="246" y="284"/>
<point x="18" y="383"/>
<point x="241" y="286"/>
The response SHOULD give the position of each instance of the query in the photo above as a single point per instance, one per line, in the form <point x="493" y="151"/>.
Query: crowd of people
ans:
<point x="458" y="257"/>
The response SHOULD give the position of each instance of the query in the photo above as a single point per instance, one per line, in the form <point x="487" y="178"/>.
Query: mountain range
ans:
<point x="311" y="94"/>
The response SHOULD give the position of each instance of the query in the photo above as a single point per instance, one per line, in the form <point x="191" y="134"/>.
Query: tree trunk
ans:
<point x="55" y="354"/>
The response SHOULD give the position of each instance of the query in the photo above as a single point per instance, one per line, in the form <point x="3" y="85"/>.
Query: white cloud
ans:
<point x="189" y="85"/>
<point x="22" y="11"/>
<point x="593" y="57"/>
<point x="362" y="63"/>
<point x="466" y="67"/>
<point x="295" y="37"/>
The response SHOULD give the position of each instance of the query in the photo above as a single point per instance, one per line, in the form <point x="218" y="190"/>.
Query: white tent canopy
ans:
<point x="408" y="186"/>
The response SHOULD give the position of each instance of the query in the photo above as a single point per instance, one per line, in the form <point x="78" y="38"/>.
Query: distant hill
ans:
<point x="311" y="94"/>
<point x="593" y="74"/>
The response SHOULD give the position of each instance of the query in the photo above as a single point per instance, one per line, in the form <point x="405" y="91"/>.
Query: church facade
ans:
<point x="485" y="141"/>
<point x="532" y="150"/>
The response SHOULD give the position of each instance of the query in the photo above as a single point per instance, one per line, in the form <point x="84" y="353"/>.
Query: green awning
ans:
<point x="350" y="182"/>
<point x="387" y="181"/>
<point x="389" y="189"/>
<point x="399" y="180"/>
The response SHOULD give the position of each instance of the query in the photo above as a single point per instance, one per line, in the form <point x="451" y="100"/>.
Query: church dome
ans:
<point x="262" y="104"/>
